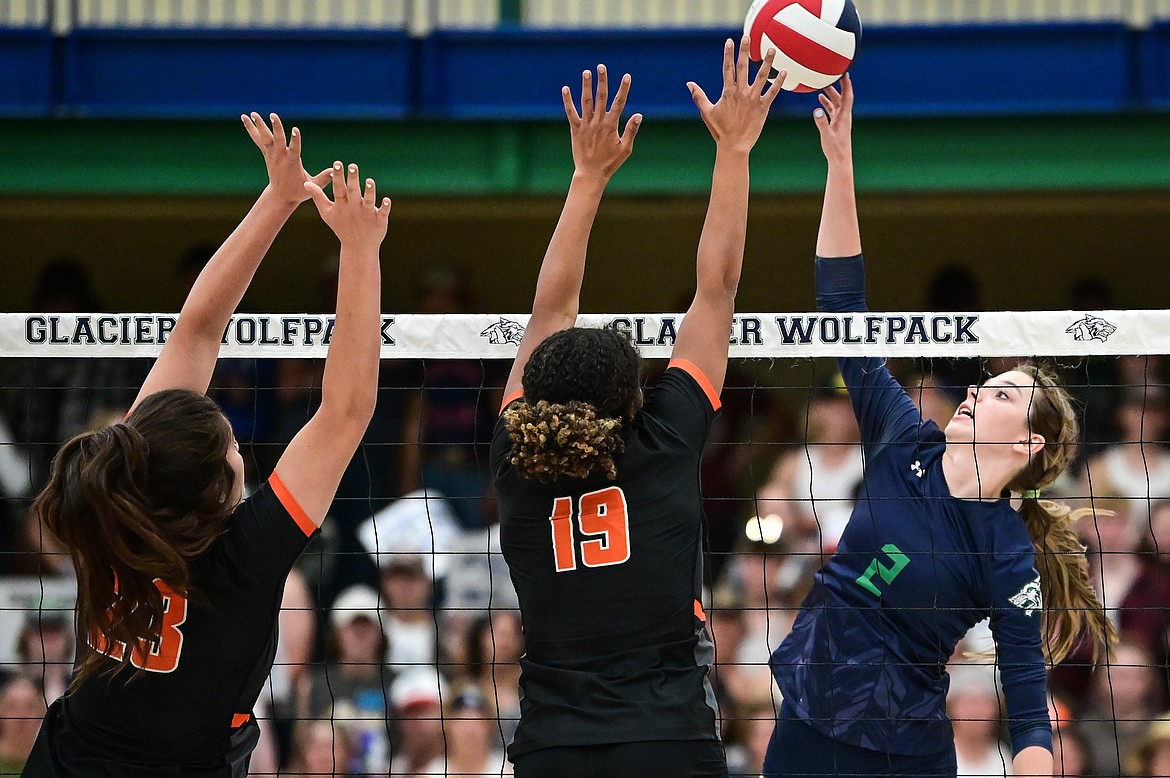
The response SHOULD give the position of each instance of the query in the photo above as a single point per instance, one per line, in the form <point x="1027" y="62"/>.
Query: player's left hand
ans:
<point x="286" y="173"/>
<point x="737" y="120"/>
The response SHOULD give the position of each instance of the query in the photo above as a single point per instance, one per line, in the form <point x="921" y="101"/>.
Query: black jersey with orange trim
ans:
<point x="189" y="713"/>
<point x="609" y="575"/>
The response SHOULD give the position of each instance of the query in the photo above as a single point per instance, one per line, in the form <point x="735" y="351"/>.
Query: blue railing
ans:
<point x="367" y="58"/>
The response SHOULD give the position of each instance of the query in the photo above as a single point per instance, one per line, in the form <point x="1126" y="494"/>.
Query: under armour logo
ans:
<point x="917" y="468"/>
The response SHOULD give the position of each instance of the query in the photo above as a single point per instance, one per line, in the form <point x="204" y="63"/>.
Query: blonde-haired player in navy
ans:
<point x="600" y="509"/>
<point x="179" y="577"/>
<point x="933" y="547"/>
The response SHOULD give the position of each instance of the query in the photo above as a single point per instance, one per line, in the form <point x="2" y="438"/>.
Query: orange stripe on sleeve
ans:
<point x="699" y="614"/>
<point x="693" y="370"/>
<point x="291" y="505"/>
<point x="513" y="397"/>
<point x="240" y="719"/>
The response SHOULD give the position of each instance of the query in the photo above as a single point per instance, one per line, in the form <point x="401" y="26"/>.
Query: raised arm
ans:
<point x="188" y="358"/>
<point x="312" y="465"/>
<point x="735" y="122"/>
<point x="598" y="151"/>
<point x="884" y="411"/>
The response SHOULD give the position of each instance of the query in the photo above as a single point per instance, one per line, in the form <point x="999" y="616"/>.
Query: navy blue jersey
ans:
<point x="916" y="568"/>
<point x="190" y="711"/>
<point x="609" y="575"/>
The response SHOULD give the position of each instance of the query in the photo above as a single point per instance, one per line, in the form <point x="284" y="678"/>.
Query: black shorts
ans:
<point x="665" y="758"/>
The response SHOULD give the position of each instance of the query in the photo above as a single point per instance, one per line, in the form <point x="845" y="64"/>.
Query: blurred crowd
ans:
<point x="400" y="631"/>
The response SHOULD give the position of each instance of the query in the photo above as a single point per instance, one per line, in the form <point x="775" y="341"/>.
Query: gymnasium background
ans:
<point x="1011" y="154"/>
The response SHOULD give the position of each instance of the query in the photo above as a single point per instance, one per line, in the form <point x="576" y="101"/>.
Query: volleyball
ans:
<point x="815" y="40"/>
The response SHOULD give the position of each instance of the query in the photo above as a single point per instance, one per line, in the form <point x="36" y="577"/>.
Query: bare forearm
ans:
<point x="222" y="284"/>
<point x="558" y="288"/>
<point x="1031" y="762"/>
<point x="720" y="257"/>
<point x="349" y="385"/>
<point x="840" y="233"/>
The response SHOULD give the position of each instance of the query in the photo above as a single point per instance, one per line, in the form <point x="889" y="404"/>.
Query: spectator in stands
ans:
<point x="417" y="697"/>
<point x="472" y="737"/>
<point x="355" y="677"/>
<point x="494" y="647"/>
<point x="954" y="288"/>
<point x="15" y="486"/>
<point x="321" y="747"/>
<point x="51" y="400"/>
<point x="769" y="579"/>
<point x="1157" y="540"/>
<point x="753" y="724"/>
<point x="812" y="487"/>
<point x="448" y="423"/>
<point x="408" y="616"/>
<point x="1134" y="590"/>
<point x="46" y="652"/>
<point x="1121" y="707"/>
<point x="1138" y="465"/>
<point x="22" y="706"/>
<point x="1151" y="757"/>
<point x="974" y="708"/>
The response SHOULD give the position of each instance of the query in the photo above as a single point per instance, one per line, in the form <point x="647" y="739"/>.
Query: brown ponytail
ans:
<point x="134" y="502"/>
<point x="570" y="440"/>
<point x="1071" y="605"/>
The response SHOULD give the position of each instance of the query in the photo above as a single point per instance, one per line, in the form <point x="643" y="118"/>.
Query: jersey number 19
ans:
<point x="602" y="516"/>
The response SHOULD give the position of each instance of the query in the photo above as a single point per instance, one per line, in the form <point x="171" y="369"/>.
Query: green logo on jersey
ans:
<point x="888" y="574"/>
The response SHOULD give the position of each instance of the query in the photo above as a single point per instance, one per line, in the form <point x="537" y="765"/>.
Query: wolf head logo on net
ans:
<point x="504" y="331"/>
<point x="1029" y="598"/>
<point x="1091" y="328"/>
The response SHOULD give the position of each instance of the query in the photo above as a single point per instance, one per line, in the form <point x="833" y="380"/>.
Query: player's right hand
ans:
<point x="353" y="214"/>
<point x="835" y="121"/>
<point x="598" y="149"/>
<point x="737" y="120"/>
<point x="286" y="173"/>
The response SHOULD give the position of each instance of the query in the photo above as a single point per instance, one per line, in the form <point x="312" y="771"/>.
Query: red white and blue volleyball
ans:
<point x="815" y="40"/>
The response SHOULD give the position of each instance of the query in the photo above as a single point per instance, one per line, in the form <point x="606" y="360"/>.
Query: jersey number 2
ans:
<point x="160" y="657"/>
<point x="601" y="514"/>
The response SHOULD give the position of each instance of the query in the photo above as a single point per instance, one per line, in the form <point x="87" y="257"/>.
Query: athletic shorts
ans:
<point x="673" y="758"/>
<point x="799" y="751"/>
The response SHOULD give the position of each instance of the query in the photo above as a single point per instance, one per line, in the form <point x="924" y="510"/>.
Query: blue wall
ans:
<point x="517" y="73"/>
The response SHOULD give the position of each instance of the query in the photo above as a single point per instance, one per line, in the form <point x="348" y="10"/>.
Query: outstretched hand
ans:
<point x="353" y="215"/>
<point x="737" y="120"/>
<point x="835" y="121"/>
<point x="286" y="173"/>
<point x="598" y="148"/>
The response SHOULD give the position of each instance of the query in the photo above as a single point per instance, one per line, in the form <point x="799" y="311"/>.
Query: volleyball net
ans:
<point x="400" y="632"/>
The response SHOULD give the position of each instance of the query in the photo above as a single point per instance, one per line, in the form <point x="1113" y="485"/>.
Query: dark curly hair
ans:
<point x="580" y="386"/>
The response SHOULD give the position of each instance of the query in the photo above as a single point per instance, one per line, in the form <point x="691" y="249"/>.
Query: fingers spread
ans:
<point x="765" y="71"/>
<point x="728" y="64"/>
<point x="337" y="179"/>
<point x="777" y="87"/>
<point x="277" y="131"/>
<point x="623" y="93"/>
<point x="250" y="126"/>
<point x="602" y="88"/>
<point x="631" y="132"/>
<point x="700" y="97"/>
<point x="370" y="193"/>
<point x="570" y="106"/>
<point x="318" y="195"/>
<point x="262" y="130"/>
<point x="587" y="95"/>
<point x="294" y="144"/>
<point x="354" y="183"/>
<point x="741" y="68"/>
